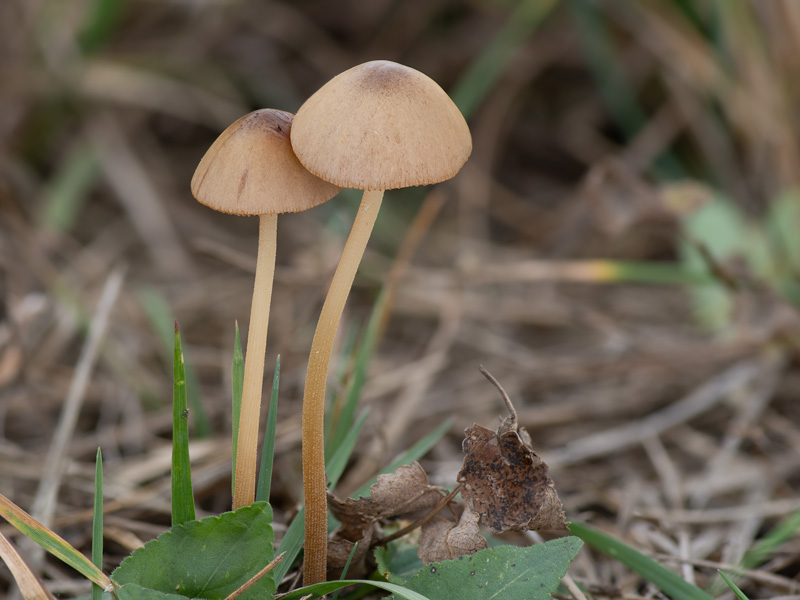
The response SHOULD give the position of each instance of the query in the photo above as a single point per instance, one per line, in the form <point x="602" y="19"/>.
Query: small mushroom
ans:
<point x="251" y="170"/>
<point x="377" y="126"/>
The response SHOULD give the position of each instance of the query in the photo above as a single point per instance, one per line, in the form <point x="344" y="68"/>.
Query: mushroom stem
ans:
<point x="247" y="441"/>
<point x="314" y="482"/>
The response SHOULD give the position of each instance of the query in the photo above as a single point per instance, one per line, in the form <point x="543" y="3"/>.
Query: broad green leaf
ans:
<point x="207" y="559"/>
<point x="508" y="572"/>
<point x="668" y="582"/>
<point x="182" y="496"/>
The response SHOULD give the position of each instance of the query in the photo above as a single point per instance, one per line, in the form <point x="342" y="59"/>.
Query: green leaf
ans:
<point x="69" y="188"/>
<point x="237" y="378"/>
<point x="326" y="587"/>
<point x="668" y="582"/>
<point x="268" y="447"/>
<point x="182" y="497"/>
<point x="97" y="522"/>
<point x="739" y="593"/>
<point x="131" y="591"/>
<point x="207" y="559"/>
<point x="508" y="572"/>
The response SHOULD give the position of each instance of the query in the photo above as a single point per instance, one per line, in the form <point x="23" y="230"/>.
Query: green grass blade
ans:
<point x="268" y="447"/>
<point x="237" y="379"/>
<point x="668" y="582"/>
<point x="182" y="497"/>
<point x="343" y="419"/>
<point x="739" y="593"/>
<point x="765" y="548"/>
<point x="160" y="314"/>
<point x="320" y="589"/>
<point x="290" y="545"/>
<point x="346" y="568"/>
<point x="69" y="189"/>
<point x="52" y="542"/>
<point x="416" y="452"/>
<point x="338" y="461"/>
<point x="97" y="522"/>
<point x="482" y="75"/>
<point x="100" y="24"/>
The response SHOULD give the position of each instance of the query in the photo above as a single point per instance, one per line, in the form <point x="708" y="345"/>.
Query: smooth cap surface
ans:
<point x="381" y="125"/>
<point x="251" y="170"/>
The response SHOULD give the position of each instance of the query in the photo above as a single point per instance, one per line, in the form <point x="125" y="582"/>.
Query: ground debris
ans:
<point x="506" y="482"/>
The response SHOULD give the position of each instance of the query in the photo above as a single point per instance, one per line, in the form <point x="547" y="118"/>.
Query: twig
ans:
<point x="503" y="393"/>
<point x="250" y="582"/>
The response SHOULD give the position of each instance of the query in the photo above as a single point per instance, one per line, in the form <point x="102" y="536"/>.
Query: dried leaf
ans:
<point x="506" y="481"/>
<point x="442" y="539"/>
<point x="403" y="492"/>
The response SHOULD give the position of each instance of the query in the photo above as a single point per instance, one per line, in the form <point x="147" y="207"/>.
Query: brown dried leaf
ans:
<point x="442" y="539"/>
<point x="340" y="548"/>
<point x="506" y="481"/>
<point x="403" y="492"/>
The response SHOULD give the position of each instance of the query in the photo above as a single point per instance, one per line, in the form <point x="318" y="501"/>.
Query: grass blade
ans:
<point x="237" y="379"/>
<point x="668" y="582"/>
<point x="339" y="460"/>
<point x="320" y="589"/>
<point x="416" y="452"/>
<point x="739" y="593"/>
<point x="480" y="78"/>
<point x="52" y="542"/>
<point x="342" y="420"/>
<point x="782" y="532"/>
<point x="31" y="587"/>
<point x="97" y="522"/>
<point x="346" y="568"/>
<point x="268" y="447"/>
<point x="161" y="319"/>
<point x="182" y="497"/>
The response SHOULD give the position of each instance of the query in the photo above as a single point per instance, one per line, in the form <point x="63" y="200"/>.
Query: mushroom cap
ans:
<point x="379" y="126"/>
<point x="250" y="169"/>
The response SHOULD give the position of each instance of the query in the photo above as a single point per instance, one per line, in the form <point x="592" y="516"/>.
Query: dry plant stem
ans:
<point x="314" y="483"/>
<point x="247" y="441"/>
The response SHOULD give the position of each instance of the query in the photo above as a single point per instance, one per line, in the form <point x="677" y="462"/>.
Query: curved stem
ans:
<point x="247" y="441"/>
<point x="314" y="483"/>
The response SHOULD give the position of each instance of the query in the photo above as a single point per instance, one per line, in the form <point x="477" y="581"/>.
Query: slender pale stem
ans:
<point x="314" y="484"/>
<point x="247" y="442"/>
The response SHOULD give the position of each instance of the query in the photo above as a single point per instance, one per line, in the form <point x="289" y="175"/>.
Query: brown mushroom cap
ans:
<point x="380" y="126"/>
<point x="251" y="169"/>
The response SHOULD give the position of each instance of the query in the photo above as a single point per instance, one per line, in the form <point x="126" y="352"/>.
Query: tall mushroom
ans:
<point x="251" y="170"/>
<point x="377" y="126"/>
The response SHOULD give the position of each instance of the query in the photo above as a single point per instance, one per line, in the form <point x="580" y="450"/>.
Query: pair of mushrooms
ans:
<point x="377" y="126"/>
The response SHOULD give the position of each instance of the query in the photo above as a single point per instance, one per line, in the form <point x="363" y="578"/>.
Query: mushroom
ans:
<point x="377" y="126"/>
<point x="251" y="170"/>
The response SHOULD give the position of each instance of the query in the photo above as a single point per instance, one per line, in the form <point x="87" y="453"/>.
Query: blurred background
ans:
<point x="621" y="251"/>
